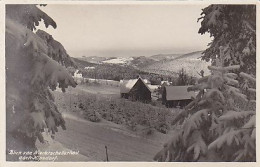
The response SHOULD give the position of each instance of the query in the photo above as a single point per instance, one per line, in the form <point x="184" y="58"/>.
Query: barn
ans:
<point x="174" y="96"/>
<point x="135" y="90"/>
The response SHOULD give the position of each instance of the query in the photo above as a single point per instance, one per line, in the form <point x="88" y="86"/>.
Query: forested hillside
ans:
<point x="117" y="72"/>
<point x="190" y="62"/>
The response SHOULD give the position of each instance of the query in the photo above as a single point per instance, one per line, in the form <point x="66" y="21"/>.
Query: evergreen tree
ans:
<point x="234" y="28"/>
<point x="214" y="126"/>
<point x="34" y="63"/>
<point x="219" y="124"/>
<point x="184" y="78"/>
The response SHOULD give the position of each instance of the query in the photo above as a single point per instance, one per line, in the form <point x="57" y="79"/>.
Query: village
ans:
<point x="142" y="90"/>
<point x="125" y="113"/>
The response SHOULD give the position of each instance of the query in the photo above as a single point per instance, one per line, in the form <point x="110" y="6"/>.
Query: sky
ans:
<point x="124" y="30"/>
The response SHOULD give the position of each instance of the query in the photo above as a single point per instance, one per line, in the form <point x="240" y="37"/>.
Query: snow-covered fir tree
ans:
<point x="219" y="124"/>
<point x="34" y="63"/>
<point x="234" y="28"/>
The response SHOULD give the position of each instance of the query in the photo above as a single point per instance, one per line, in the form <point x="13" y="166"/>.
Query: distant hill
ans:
<point x="135" y="62"/>
<point x="114" y="71"/>
<point x="160" y="57"/>
<point x="190" y="62"/>
<point x="161" y="65"/>
<point x="119" y="60"/>
<point x="94" y="59"/>
<point x="142" y="61"/>
<point x="195" y="55"/>
<point x="82" y="63"/>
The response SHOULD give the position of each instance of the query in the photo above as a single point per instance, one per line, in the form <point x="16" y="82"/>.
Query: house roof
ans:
<point x="165" y="83"/>
<point x="178" y="93"/>
<point x="127" y="85"/>
<point x="153" y="87"/>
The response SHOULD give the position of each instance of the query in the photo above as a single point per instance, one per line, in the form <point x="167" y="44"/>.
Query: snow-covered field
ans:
<point x="90" y="138"/>
<point x="101" y="81"/>
<point x="52" y="146"/>
<point x="119" y="60"/>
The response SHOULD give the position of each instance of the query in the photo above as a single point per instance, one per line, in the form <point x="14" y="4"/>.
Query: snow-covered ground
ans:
<point x="90" y="138"/>
<point x="101" y="81"/>
<point x="89" y="68"/>
<point x="119" y="60"/>
<point x="52" y="146"/>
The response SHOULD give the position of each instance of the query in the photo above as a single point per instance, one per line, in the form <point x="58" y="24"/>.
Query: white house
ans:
<point x="77" y="74"/>
<point x="78" y="77"/>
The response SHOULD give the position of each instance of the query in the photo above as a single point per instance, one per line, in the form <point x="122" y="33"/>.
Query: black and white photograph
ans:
<point x="130" y="82"/>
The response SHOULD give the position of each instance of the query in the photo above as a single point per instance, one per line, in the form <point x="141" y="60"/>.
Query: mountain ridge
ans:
<point x="161" y="64"/>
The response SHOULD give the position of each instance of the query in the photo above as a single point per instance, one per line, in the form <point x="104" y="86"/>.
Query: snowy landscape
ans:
<point x="145" y="85"/>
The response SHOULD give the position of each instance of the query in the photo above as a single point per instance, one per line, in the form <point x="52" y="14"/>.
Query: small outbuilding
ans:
<point x="174" y="96"/>
<point x="135" y="90"/>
